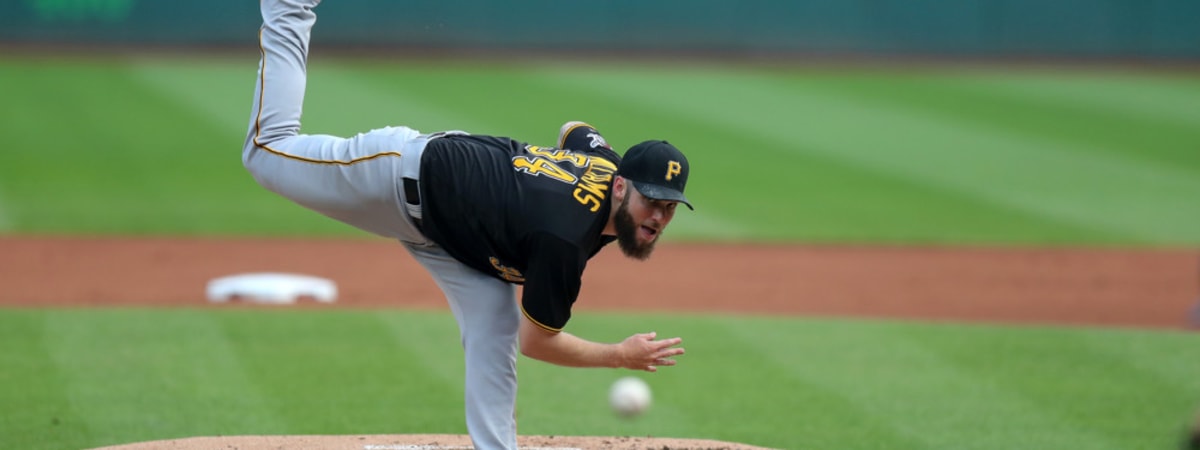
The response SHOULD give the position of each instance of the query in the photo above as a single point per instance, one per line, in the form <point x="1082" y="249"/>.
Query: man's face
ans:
<point x="640" y="221"/>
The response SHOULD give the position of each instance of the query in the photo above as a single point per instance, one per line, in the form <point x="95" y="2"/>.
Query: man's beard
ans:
<point x="627" y="234"/>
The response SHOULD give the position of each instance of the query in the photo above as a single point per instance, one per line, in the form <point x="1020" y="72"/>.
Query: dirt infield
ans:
<point x="1066" y="286"/>
<point x="1113" y="287"/>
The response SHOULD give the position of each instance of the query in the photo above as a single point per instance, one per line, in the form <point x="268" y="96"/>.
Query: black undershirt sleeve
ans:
<point x="552" y="281"/>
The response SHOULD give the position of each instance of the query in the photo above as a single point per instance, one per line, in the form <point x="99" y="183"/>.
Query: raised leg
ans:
<point x="354" y="180"/>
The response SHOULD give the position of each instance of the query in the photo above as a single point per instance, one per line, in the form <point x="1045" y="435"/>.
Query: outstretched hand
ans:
<point x="643" y="352"/>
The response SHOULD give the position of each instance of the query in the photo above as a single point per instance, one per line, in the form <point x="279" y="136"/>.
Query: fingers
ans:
<point x="653" y="367"/>
<point x="667" y="343"/>
<point x="663" y="358"/>
<point x="649" y="337"/>
<point x="666" y="347"/>
<point x="655" y="353"/>
<point x="668" y="353"/>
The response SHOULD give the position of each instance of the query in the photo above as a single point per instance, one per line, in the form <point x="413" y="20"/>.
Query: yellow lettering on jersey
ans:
<point x="559" y="155"/>
<point x="543" y="166"/>
<point x="673" y="168"/>
<point x="593" y="185"/>
<point x="507" y="273"/>
<point x="587" y="199"/>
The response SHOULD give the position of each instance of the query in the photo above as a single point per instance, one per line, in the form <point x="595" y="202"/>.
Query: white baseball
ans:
<point x="629" y="396"/>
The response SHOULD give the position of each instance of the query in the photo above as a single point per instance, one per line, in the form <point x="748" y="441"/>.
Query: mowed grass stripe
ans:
<point x="717" y="391"/>
<point x="1066" y="180"/>
<point x="764" y="166"/>
<point x="752" y="186"/>
<point x="221" y="113"/>
<point x="338" y="103"/>
<point x="505" y="100"/>
<point x="431" y="341"/>
<point x="710" y="226"/>
<point x="130" y="163"/>
<point x="780" y="194"/>
<point x="35" y="139"/>
<point x="767" y="185"/>
<point x="1173" y="99"/>
<point x="218" y="92"/>
<point x="340" y="372"/>
<point x="1060" y="182"/>
<point x="918" y="392"/>
<point x="1101" y="117"/>
<point x="736" y="378"/>
<point x="346" y="98"/>
<point x="37" y="413"/>
<point x="1169" y="356"/>
<point x="6" y="215"/>
<point x="343" y="97"/>
<point x="142" y="375"/>
<point x="560" y="400"/>
<point x="453" y="97"/>
<point x="26" y="133"/>
<point x="1073" y="375"/>
<point x="131" y="374"/>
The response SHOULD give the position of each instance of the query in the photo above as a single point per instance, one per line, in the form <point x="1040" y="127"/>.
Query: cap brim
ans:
<point x="657" y="192"/>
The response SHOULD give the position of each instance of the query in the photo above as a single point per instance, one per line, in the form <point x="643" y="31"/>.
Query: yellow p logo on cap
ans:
<point x="673" y="168"/>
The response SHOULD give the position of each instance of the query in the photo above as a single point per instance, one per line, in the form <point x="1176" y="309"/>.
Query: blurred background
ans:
<point x="1143" y="30"/>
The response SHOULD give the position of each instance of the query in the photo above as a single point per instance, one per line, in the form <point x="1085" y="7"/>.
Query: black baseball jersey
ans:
<point x="525" y="214"/>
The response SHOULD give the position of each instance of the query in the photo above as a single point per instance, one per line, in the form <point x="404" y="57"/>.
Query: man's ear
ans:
<point x="619" y="186"/>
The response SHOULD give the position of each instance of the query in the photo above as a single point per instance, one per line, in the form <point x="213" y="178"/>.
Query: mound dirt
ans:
<point x="426" y="442"/>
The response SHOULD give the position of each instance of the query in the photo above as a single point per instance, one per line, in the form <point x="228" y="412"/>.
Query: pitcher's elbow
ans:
<point x="527" y="349"/>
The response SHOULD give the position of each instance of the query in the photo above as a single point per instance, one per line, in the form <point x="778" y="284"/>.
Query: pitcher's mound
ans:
<point x="424" y="442"/>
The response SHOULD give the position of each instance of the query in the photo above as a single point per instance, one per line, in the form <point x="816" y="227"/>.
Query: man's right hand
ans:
<point x="637" y="352"/>
<point x="643" y="352"/>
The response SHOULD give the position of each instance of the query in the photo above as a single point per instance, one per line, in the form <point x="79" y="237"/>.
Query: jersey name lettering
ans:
<point x="590" y="189"/>
<point x="593" y="186"/>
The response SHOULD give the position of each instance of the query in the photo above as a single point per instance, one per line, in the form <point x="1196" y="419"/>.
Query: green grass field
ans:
<point x="920" y="155"/>
<point x="951" y="155"/>
<point x="79" y="378"/>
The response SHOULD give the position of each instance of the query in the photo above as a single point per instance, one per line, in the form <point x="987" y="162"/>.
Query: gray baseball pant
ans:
<point x="357" y="181"/>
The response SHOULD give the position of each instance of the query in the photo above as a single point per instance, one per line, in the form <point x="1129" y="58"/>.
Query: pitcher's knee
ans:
<point x="255" y="163"/>
<point x="248" y="162"/>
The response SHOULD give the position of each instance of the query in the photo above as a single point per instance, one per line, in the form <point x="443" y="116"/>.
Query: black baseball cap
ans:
<point x="657" y="170"/>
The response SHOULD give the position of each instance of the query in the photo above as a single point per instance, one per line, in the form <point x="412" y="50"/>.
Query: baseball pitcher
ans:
<point x="482" y="214"/>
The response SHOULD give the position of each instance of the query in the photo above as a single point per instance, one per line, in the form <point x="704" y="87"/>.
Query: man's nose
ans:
<point x="658" y="214"/>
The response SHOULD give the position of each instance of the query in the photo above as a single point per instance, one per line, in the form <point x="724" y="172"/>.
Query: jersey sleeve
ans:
<point x="552" y="280"/>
